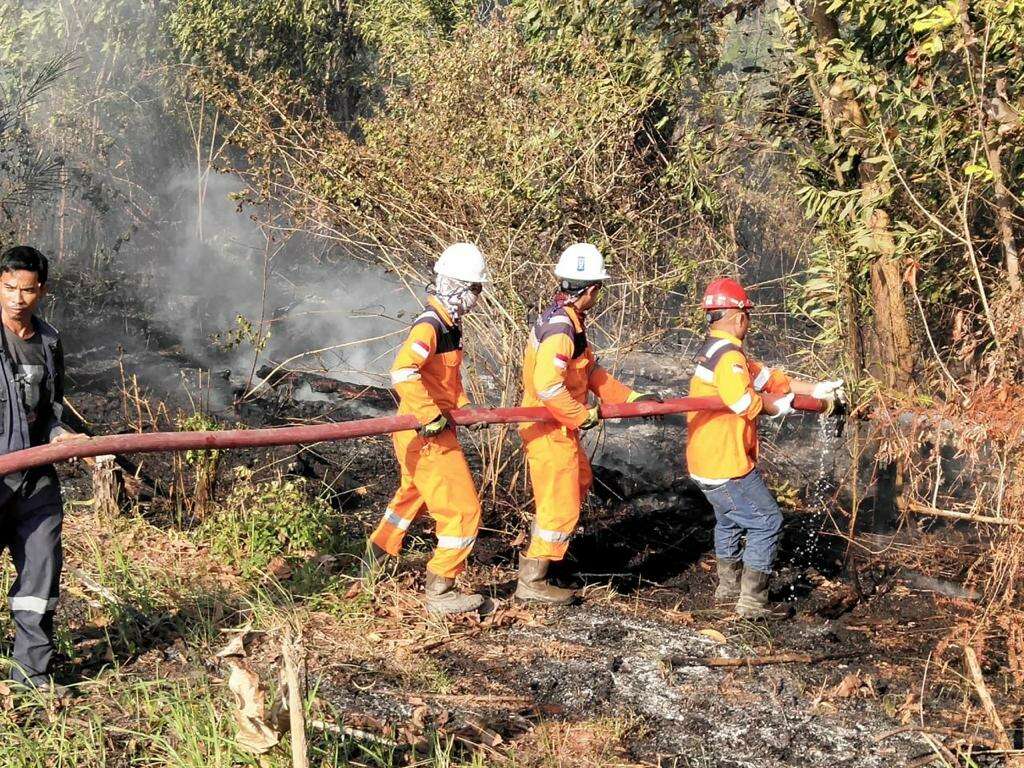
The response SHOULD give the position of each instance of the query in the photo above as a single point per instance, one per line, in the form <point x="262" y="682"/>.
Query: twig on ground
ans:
<point x="291" y="651"/>
<point x="974" y="670"/>
<point x="756" y="661"/>
<point x="355" y="733"/>
<point x="922" y="509"/>
<point x="936" y="731"/>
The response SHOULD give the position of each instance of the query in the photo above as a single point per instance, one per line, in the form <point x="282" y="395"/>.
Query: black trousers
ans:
<point x="31" y="528"/>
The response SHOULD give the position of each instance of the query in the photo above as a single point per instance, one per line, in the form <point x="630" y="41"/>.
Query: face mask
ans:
<point x="456" y="296"/>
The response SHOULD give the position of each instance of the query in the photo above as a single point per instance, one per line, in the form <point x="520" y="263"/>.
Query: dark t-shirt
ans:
<point x="28" y="363"/>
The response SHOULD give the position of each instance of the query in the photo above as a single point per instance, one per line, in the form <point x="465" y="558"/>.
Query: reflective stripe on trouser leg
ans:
<point x="561" y="476"/>
<point x="35" y="544"/>
<point x="441" y="477"/>
<point x="406" y="505"/>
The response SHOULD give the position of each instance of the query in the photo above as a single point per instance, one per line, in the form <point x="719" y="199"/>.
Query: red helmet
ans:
<point x="725" y="293"/>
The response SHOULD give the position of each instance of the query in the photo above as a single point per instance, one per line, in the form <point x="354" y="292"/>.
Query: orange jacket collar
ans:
<point x="727" y="336"/>
<point x="438" y="307"/>
<point x="577" y="322"/>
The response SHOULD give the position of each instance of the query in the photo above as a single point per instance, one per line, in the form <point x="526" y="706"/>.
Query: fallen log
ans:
<point x="153" y="442"/>
<point x="756" y="661"/>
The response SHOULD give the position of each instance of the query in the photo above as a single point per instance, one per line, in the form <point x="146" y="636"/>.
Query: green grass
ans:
<point x="160" y="612"/>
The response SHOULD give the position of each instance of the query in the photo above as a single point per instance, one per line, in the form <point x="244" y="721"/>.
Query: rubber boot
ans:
<point x="443" y="598"/>
<point x="728" y="590"/>
<point x="753" y="601"/>
<point x="534" y="585"/>
<point x="372" y="562"/>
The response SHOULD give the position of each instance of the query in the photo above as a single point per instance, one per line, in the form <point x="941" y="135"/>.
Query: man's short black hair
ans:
<point x="27" y="258"/>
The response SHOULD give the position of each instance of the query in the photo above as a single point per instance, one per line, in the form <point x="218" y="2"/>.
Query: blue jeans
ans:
<point x="744" y="505"/>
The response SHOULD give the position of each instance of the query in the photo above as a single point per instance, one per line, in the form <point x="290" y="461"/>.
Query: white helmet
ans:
<point x="581" y="263"/>
<point x="462" y="261"/>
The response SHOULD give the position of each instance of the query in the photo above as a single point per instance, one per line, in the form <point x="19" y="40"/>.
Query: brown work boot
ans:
<point x="728" y="590"/>
<point x="753" y="601"/>
<point x="534" y="585"/>
<point x="443" y="598"/>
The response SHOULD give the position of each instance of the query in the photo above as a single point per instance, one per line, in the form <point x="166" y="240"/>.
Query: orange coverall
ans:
<point x="723" y="445"/>
<point x="434" y="473"/>
<point x="559" y="370"/>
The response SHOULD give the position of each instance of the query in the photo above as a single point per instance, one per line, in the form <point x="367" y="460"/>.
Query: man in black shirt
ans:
<point x="31" y="511"/>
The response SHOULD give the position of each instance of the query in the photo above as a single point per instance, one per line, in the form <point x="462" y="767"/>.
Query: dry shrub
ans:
<point x="492" y="134"/>
<point x="987" y="435"/>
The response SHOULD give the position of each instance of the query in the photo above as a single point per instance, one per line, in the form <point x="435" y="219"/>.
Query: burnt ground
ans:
<point x="588" y="684"/>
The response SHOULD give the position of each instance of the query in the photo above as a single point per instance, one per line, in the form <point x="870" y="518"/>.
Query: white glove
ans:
<point x="828" y="390"/>
<point x="784" y="406"/>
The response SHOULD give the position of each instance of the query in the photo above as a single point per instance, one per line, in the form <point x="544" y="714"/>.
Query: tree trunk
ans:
<point x="842" y="116"/>
<point x="990" y="135"/>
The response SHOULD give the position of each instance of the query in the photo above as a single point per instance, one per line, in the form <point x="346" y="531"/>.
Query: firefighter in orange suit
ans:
<point x="559" y="373"/>
<point x="722" y="448"/>
<point x="434" y="474"/>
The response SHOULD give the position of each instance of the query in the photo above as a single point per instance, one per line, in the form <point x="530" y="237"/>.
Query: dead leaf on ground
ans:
<point x="476" y="730"/>
<point x="235" y="646"/>
<point x="714" y="634"/>
<point x="853" y="686"/>
<point x="254" y="734"/>
<point x="909" y="709"/>
<point x="280" y="568"/>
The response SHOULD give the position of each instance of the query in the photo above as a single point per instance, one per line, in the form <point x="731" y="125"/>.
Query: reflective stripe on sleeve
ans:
<point x="400" y="523"/>
<point x="762" y="378"/>
<point x="455" y="542"/>
<point x="561" y="361"/>
<point x="420" y="349"/>
<point x="704" y="374"/>
<point x="550" y="392"/>
<point x="402" y="375"/>
<point x="742" y="404"/>
<point x="553" y="537"/>
<point x="559" y="319"/>
<point x="33" y="604"/>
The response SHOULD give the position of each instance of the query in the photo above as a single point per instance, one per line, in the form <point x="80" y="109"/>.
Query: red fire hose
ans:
<point x="153" y="442"/>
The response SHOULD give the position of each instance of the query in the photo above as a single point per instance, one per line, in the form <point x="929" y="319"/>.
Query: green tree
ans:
<point x="913" y="169"/>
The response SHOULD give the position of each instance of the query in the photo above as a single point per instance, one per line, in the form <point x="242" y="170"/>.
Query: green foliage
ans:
<point x="246" y="333"/>
<point x="524" y="127"/>
<point x="199" y="422"/>
<point x="308" y="43"/>
<point x="107" y="122"/>
<point x="264" y="519"/>
<point x="907" y="102"/>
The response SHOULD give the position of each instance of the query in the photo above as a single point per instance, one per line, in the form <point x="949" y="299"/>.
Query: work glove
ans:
<point x="829" y="390"/>
<point x="435" y="427"/>
<point x="593" y="418"/>
<point x="784" y="406"/>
